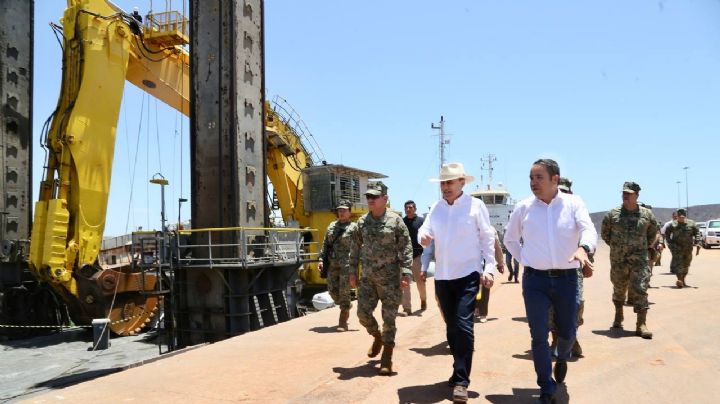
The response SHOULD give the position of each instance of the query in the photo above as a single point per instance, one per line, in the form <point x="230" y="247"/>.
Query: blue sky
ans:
<point x="613" y="90"/>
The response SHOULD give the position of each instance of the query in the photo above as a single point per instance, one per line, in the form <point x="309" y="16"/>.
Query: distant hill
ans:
<point x="698" y="213"/>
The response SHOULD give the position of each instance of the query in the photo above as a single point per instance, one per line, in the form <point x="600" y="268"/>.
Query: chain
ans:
<point x="68" y="327"/>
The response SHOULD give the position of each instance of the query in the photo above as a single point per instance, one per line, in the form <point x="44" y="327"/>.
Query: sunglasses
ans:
<point x="368" y="197"/>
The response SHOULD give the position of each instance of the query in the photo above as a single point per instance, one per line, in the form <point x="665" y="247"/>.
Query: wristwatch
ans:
<point x="586" y="248"/>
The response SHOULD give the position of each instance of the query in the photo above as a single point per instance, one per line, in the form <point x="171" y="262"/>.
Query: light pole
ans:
<point x="678" y="184"/>
<point x="687" y="202"/>
<point x="180" y="202"/>
<point x="160" y="180"/>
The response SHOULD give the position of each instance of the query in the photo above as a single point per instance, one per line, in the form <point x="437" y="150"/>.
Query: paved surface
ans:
<point x="306" y="361"/>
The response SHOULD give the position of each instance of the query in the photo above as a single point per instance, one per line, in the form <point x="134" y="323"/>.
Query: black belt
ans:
<point x="551" y="273"/>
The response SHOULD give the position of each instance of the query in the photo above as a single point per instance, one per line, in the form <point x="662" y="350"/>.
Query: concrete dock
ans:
<point x="305" y="360"/>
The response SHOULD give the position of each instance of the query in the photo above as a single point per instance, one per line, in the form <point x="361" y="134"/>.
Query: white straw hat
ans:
<point x="453" y="171"/>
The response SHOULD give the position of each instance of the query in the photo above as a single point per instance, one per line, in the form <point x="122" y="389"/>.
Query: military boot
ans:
<point x="682" y="278"/>
<point x="343" y="322"/>
<point x="386" y="360"/>
<point x="376" y="345"/>
<point x="617" y="323"/>
<point x="577" y="351"/>
<point x="642" y="330"/>
<point x="679" y="283"/>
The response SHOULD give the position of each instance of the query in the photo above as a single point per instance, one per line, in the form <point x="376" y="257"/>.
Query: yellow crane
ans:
<point x="103" y="48"/>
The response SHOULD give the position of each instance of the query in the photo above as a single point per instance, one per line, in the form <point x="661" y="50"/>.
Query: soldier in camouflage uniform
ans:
<point x="341" y="276"/>
<point x="630" y="230"/>
<point x="681" y="236"/>
<point x="652" y="258"/>
<point x="383" y="246"/>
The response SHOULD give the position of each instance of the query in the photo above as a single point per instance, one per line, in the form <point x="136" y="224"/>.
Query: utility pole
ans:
<point x="678" y="184"/>
<point x="486" y="165"/>
<point x="687" y="202"/>
<point x="443" y="141"/>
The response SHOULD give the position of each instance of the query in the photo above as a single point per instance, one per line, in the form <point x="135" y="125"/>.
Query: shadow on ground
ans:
<point x="520" y="319"/>
<point x="520" y="396"/>
<point x="427" y="394"/>
<point x="330" y="330"/>
<point x="614" y="333"/>
<point x="526" y="356"/>
<point x="75" y="378"/>
<point x="440" y="349"/>
<point x="369" y="369"/>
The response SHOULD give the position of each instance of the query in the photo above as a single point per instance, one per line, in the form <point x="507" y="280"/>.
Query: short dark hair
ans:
<point x="550" y="165"/>
<point x="410" y="202"/>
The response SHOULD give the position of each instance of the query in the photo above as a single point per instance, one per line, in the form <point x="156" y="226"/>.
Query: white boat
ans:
<point x="499" y="204"/>
<point x="497" y="198"/>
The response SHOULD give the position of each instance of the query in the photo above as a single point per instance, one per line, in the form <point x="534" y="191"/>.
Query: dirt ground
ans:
<point x="305" y="360"/>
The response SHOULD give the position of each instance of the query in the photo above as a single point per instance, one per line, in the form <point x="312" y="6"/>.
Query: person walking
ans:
<point x="335" y="250"/>
<point x="413" y="223"/>
<point x="383" y="244"/>
<point x="681" y="236"/>
<point x="552" y="234"/>
<point x="483" y="301"/>
<point x="459" y="226"/>
<point x="630" y="231"/>
<point x="663" y="229"/>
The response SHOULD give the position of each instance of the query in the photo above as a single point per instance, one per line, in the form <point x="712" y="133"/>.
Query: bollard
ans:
<point x="101" y="333"/>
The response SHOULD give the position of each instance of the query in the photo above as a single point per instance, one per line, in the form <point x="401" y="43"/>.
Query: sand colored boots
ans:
<point x="376" y="345"/>
<point x="386" y="360"/>
<point x="617" y="323"/>
<point x="343" y="321"/>
<point x="642" y="330"/>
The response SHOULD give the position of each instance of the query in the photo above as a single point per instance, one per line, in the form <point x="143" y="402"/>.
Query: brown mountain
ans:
<point x="698" y="213"/>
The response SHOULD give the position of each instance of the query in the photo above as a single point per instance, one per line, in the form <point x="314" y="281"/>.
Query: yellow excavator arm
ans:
<point x="102" y="49"/>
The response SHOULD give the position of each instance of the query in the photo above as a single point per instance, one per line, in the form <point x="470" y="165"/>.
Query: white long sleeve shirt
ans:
<point x="550" y="233"/>
<point x="463" y="236"/>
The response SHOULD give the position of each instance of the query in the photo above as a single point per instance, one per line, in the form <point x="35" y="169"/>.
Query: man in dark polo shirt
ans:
<point x="413" y="223"/>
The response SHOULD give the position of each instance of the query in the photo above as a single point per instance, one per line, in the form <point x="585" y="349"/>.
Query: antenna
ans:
<point x="443" y="141"/>
<point x="486" y="164"/>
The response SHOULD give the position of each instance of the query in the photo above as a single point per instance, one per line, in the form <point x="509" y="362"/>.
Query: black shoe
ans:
<point x="560" y="371"/>
<point x="546" y="399"/>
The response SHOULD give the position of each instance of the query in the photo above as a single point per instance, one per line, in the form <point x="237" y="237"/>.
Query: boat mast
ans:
<point x="486" y="164"/>
<point x="443" y="140"/>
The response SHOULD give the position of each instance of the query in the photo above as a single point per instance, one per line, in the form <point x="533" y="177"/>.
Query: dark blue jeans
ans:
<point x="457" y="302"/>
<point x="540" y="292"/>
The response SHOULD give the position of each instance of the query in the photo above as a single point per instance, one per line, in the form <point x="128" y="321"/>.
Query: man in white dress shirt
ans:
<point x="459" y="226"/>
<point x="557" y="236"/>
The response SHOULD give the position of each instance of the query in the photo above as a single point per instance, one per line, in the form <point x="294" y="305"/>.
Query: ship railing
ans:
<point x="244" y="247"/>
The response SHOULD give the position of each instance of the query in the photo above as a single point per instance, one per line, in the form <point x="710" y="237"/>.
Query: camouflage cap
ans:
<point x="565" y="185"/>
<point x="376" y="188"/>
<point x="344" y="204"/>
<point x="681" y="212"/>
<point x="631" y="187"/>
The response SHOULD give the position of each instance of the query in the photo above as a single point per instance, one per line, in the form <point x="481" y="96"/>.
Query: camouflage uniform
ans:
<point x="681" y="237"/>
<point x="629" y="235"/>
<point x="383" y="246"/>
<point x="338" y="239"/>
